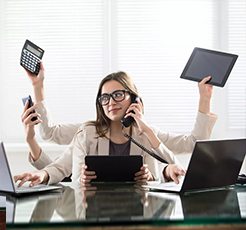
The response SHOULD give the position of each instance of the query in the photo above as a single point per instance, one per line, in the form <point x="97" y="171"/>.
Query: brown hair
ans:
<point x="102" y="122"/>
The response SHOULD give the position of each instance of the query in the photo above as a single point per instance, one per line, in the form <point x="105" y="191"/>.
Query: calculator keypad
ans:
<point x="30" y="62"/>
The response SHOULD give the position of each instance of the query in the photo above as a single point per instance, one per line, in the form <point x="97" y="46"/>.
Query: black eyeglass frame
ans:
<point x="111" y="95"/>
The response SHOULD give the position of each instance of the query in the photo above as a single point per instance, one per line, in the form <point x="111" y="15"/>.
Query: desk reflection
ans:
<point x="2" y="202"/>
<point x="212" y="204"/>
<point x="121" y="202"/>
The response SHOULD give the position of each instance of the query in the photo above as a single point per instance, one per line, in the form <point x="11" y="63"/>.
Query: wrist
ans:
<point x="148" y="132"/>
<point x="38" y="93"/>
<point x="204" y="106"/>
<point x="38" y="85"/>
<point x="165" y="174"/>
<point x="153" y="139"/>
<point x="30" y="140"/>
<point x="46" y="177"/>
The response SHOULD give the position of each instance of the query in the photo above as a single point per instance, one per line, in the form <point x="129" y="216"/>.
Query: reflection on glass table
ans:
<point x="2" y="202"/>
<point x="118" y="203"/>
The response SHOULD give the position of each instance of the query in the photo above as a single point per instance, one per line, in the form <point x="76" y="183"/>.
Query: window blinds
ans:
<point x="149" y="39"/>
<point x="237" y="88"/>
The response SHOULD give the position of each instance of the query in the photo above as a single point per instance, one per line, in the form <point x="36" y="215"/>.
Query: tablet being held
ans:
<point x="203" y="63"/>
<point x="113" y="168"/>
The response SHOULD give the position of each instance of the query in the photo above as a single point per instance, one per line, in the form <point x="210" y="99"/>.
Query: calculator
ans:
<point x="31" y="57"/>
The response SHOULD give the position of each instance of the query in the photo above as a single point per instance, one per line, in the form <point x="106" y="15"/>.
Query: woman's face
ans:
<point x="115" y="110"/>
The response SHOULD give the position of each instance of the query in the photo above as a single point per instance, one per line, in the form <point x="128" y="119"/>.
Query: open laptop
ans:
<point x="7" y="183"/>
<point x="213" y="164"/>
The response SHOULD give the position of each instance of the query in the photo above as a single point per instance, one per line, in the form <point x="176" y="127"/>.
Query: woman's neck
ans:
<point x="116" y="135"/>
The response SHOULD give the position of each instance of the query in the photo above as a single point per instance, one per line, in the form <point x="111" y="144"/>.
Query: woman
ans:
<point x="104" y="135"/>
<point x="92" y="136"/>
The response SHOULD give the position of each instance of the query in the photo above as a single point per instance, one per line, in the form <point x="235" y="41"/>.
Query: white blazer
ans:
<point x="85" y="143"/>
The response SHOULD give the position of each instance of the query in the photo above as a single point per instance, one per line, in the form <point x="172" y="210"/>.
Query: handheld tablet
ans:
<point x="203" y="63"/>
<point x="114" y="168"/>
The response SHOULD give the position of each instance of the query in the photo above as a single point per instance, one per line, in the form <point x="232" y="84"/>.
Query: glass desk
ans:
<point x="2" y="212"/>
<point x="126" y="205"/>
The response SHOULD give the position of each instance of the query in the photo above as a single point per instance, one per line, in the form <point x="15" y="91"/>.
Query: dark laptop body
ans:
<point x="213" y="164"/>
<point x="114" y="168"/>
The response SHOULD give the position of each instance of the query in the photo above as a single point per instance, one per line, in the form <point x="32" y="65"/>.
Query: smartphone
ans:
<point x="129" y="120"/>
<point x="30" y="104"/>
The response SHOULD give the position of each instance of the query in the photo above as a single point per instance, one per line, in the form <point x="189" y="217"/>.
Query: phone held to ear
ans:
<point x="126" y="122"/>
<point x="129" y="120"/>
<point x="30" y="104"/>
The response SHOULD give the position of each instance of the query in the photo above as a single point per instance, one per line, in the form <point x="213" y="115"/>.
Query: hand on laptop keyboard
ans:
<point x="172" y="173"/>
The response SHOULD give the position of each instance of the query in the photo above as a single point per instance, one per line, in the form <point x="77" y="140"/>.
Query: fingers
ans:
<point x="23" y="178"/>
<point x="174" y="174"/>
<point x="174" y="177"/>
<point x="42" y="65"/>
<point x="27" y="111"/>
<point x="25" y="108"/>
<point x="28" y="121"/>
<point x="137" y="108"/>
<point x="142" y="178"/>
<point x="87" y="179"/>
<point x="144" y="169"/>
<point x="88" y="187"/>
<point x="204" y="80"/>
<point x="143" y="175"/>
<point x="35" y="182"/>
<point x="87" y="176"/>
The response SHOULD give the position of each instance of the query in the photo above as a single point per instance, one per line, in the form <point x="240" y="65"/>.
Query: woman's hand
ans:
<point x="28" y="123"/>
<point x="172" y="172"/>
<point x="144" y="174"/>
<point x="138" y="115"/>
<point x="37" y="82"/>
<point x="86" y="176"/>
<point x="87" y="191"/>
<point x="143" y="127"/>
<point x="36" y="79"/>
<point x="37" y="177"/>
<point x="205" y="92"/>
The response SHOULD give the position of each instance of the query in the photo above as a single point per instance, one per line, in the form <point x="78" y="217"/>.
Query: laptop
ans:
<point x="213" y="164"/>
<point x="7" y="184"/>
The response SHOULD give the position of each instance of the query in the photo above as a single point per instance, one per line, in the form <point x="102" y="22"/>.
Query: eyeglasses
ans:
<point x="118" y="96"/>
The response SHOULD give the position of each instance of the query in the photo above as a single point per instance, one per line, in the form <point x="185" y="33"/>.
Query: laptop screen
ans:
<point x="6" y="181"/>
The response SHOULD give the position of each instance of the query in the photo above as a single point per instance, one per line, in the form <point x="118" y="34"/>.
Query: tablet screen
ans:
<point x="203" y="63"/>
<point x="114" y="168"/>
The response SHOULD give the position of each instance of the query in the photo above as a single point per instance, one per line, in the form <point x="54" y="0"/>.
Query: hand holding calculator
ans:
<point x="31" y="57"/>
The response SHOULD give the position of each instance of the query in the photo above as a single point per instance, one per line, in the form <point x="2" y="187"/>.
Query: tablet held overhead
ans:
<point x="203" y="63"/>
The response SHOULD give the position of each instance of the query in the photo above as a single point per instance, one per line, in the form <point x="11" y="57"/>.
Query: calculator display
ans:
<point x="30" y="48"/>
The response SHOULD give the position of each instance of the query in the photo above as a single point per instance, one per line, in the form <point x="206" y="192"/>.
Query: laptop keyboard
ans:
<point x="26" y="187"/>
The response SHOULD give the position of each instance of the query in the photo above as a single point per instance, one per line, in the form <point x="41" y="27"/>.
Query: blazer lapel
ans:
<point x="103" y="145"/>
<point x="136" y="135"/>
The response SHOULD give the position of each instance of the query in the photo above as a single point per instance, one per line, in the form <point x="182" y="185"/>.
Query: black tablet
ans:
<point x="203" y="63"/>
<point x="114" y="168"/>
